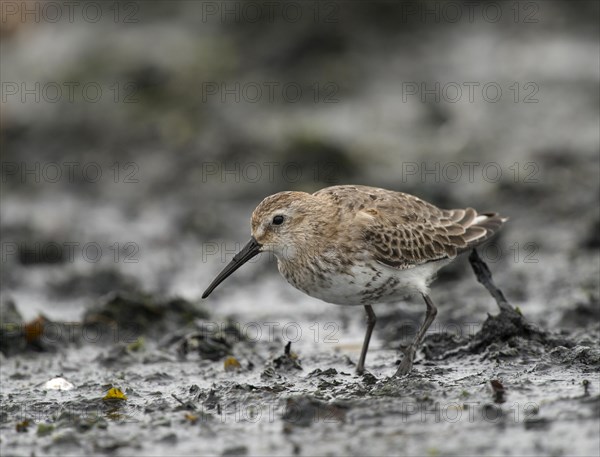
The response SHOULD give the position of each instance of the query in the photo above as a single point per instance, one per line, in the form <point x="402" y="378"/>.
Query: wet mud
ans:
<point x="187" y="380"/>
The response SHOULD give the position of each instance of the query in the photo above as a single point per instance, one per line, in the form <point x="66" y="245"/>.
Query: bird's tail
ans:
<point x="479" y="227"/>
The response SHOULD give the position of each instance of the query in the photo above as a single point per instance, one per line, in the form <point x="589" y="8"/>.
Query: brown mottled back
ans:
<point x="402" y="231"/>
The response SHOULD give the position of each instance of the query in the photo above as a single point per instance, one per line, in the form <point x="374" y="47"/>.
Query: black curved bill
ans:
<point x="251" y="249"/>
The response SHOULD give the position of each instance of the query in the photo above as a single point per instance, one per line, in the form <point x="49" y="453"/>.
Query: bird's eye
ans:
<point x="278" y="220"/>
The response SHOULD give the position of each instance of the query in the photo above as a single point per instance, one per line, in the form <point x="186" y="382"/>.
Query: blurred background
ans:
<point x="137" y="137"/>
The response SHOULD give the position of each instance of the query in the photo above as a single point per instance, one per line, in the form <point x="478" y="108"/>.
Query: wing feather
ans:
<point x="403" y="231"/>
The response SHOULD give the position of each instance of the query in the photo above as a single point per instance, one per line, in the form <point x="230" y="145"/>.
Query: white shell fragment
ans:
<point x="58" y="384"/>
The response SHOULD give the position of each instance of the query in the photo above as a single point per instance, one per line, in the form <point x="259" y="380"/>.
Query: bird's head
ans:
<point x="281" y="224"/>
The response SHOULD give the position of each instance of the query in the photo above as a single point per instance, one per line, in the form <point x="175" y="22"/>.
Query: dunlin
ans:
<point x="359" y="245"/>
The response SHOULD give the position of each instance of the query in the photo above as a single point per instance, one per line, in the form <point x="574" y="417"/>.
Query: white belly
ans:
<point x="366" y="284"/>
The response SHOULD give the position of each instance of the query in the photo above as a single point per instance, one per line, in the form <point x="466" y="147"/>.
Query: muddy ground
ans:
<point x="102" y="273"/>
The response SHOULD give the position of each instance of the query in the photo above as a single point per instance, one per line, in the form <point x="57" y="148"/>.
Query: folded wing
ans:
<point x="403" y="231"/>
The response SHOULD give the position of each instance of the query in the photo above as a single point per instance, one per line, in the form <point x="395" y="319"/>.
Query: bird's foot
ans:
<point x="407" y="363"/>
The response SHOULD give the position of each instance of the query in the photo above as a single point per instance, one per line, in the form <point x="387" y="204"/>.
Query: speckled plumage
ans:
<point x="359" y="245"/>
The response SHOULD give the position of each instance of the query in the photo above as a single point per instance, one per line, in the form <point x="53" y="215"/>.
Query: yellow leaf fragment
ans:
<point x="115" y="394"/>
<point x="191" y="418"/>
<point x="231" y="364"/>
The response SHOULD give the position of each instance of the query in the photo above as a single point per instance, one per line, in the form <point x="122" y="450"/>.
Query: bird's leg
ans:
<point x="409" y="356"/>
<point x="484" y="276"/>
<point x="371" y="319"/>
